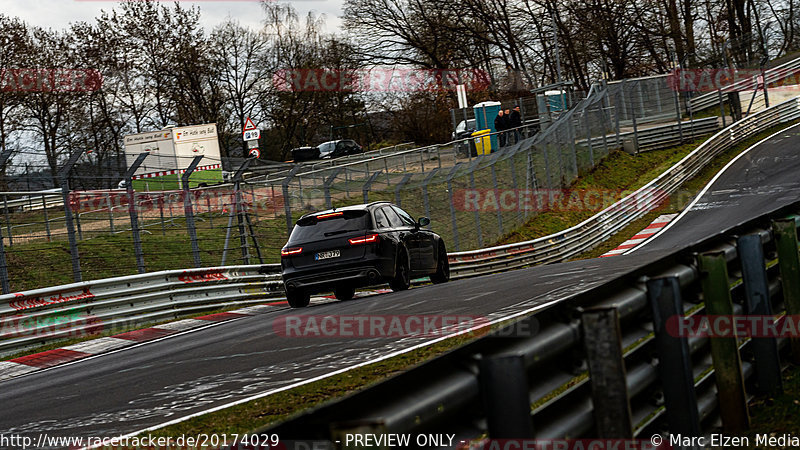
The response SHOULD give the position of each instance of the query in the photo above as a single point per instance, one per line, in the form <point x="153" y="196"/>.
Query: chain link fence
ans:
<point x="474" y="195"/>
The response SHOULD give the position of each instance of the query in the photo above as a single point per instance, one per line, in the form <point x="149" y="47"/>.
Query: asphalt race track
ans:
<point x="141" y="387"/>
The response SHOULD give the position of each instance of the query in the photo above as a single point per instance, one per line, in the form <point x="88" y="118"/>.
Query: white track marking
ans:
<point x="10" y="369"/>
<point x="346" y="369"/>
<point x="706" y="188"/>
<point x="99" y="345"/>
<point x="180" y="325"/>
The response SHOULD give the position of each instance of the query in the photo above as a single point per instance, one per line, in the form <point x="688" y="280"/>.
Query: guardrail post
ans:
<point x="477" y="212"/>
<point x="785" y="232"/>
<point x="46" y="218"/>
<point x="3" y="267"/>
<point x="425" y="196"/>
<point x="368" y="184"/>
<point x="724" y="350"/>
<point x="110" y="212"/>
<point x="63" y="176"/>
<point x="4" y="156"/>
<point x="399" y="187"/>
<point x="240" y="214"/>
<point x="678" y="114"/>
<point x="674" y="358"/>
<point x="721" y="107"/>
<point x="326" y="185"/>
<point x="497" y="194"/>
<point x="453" y="221"/>
<point x="137" y="239"/>
<point x="8" y="221"/>
<point x="287" y="202"/>
<point x="589" y="136"/>
<point x="547" y="167"/>
<point x="602" y="341"/>
<point x="756" y="287"/>
<point x="187" y="207"/>
<point x="572" y="137"/>
<point x="530" y="180"/>
<point x="504" y="388"/>
<point x="636" y="136"/>
<point x="641" y="98"/>
<point x="161" y="214"/>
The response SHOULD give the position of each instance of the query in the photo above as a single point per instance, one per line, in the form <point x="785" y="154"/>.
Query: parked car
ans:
<point x="342" y="249"/>
<point x="464" y="129"/>
<point x="336" y="149"/>
<point x="305" y="154"/>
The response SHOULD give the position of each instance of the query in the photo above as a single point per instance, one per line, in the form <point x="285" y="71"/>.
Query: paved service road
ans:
<point x="139" y="387"/>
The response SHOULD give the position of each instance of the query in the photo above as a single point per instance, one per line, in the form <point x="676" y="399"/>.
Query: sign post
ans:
<point x="251" y="134"/>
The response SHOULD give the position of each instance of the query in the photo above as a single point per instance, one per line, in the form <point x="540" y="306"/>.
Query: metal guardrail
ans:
<point x="710" y="99"/>
<point x="664" y="136"/>
<point x="599" y="364"/>
<point x="36" y="317"/>
<point x="596" y="229"/>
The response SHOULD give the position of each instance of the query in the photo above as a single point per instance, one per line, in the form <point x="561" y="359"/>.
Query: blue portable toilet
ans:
<point x="485" y="113"/>
<point x="556" y="100"/>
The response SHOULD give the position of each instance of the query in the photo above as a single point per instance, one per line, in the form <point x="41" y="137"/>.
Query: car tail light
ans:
<point x="329" y="215"/>
<point x="370" y="239"/>
<point x="291" y="251"/>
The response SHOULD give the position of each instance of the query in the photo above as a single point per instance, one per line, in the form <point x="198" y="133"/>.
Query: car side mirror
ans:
<point x="423" y="222"/>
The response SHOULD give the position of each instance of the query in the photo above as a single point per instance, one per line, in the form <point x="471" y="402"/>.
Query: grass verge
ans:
<point x="252" y="415"/>
<point x="779" y="414"/>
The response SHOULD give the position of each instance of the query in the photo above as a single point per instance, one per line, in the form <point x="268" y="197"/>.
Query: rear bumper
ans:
<point x="361" y="274"/>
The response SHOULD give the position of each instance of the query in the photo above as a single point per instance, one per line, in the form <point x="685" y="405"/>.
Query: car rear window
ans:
<point x="322" y="226"/>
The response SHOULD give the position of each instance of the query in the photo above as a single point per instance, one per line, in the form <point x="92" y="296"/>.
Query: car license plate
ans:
<point x="327" y="255"/>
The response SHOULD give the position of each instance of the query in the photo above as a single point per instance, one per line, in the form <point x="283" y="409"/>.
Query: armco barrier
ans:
<point x="650" y="378"/>
<point x="39" y="316"/>
<point x="596" y="229"/>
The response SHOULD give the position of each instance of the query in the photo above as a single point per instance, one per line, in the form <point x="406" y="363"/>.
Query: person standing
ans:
<point x="500" y="125"/>
<point x="509" y="126"/>
<point x="515" y="122"/>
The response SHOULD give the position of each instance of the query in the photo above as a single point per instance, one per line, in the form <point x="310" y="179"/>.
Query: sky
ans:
<point x="58" y="14"/>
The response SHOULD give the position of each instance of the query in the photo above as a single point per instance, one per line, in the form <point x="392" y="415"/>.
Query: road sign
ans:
<point x="251" y="135"/>
<point x="252" y="144"/>
<point x="255" y="152"/>
<point x="249" y="125"/>
<point x="461" y="90"/>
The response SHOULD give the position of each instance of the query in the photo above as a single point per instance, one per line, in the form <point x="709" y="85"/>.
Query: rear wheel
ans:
<point x="442" y="274"/>
<point x="402" y="272"/>
<point x="344" y="292"/>
<point x="298" y="299"/>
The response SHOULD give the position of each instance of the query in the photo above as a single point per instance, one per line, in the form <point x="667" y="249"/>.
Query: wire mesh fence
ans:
<point x="476" y="191"/>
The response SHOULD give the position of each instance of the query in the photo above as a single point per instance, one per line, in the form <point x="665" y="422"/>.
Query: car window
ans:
<point x="380" y="219"/>
<point x="404" y="216"/>
<point x="326" y="147"/>
<point x="311" y="228"/>
<point x="394" y="219"/>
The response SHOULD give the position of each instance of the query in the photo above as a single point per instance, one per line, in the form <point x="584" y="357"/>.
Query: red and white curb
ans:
<point x="30" y="363"/>
<point x="43" y="360"/>
<point x="642" y="236"/>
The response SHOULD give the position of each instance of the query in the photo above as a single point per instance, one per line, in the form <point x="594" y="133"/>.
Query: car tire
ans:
<point x="298" y="299"/>
<point x="402" y="272"/>
<point x="344" y="292"/>
<point x="442" y="274"/>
